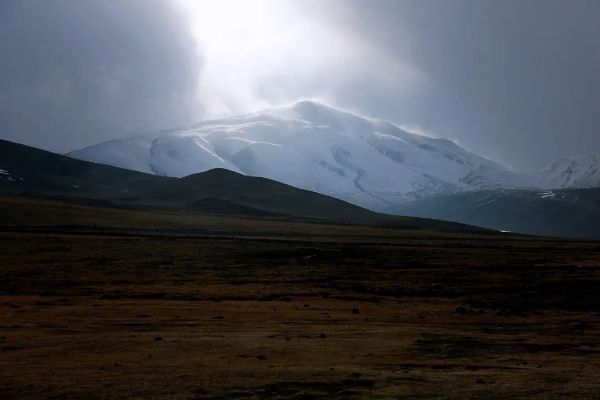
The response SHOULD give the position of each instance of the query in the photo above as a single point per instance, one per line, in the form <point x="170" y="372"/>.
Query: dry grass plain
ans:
<point x="319" y="312"/>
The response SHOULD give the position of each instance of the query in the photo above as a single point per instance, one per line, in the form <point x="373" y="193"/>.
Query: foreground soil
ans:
<point x="416" y="315"/>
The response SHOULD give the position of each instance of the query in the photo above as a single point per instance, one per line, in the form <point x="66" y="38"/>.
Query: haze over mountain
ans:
<point x="368" y="162"/>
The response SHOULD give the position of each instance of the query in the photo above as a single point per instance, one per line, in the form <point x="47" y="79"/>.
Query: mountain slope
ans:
<point x="367" y="162"/>
<point x="579" y="172"/>
<point x="34" y="172"/>
<point x="27" y="170"/>
<point x="568" y="212"/>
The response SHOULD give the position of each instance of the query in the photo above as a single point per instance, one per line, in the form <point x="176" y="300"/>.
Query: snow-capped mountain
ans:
<point x="372" y="163"/>
<point x="577" y="172"/>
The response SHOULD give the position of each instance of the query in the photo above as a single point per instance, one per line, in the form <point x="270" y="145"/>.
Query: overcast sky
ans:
<point x="514" y="80"/>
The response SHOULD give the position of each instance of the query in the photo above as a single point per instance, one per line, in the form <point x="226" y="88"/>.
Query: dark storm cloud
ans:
<point x="518" y="80"/>
<point x="73" y="73"/>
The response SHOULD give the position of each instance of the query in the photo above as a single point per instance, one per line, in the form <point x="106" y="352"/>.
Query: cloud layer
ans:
<point x="75" y="73"/>
<point x="516" y="80"/>
<point x="513" y="80"/>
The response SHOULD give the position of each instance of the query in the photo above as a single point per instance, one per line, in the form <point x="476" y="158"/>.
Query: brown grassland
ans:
<point x="105" y="303"/>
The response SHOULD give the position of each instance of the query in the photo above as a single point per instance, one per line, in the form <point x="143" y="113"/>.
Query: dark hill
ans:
<point x="213" y="205"/>
<point x="260" y="193"/>
<point x="34" y="172"/>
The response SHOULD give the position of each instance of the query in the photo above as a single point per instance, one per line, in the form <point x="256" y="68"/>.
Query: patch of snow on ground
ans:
<point x="4" y="174"/>
<point x="548" y="195"/>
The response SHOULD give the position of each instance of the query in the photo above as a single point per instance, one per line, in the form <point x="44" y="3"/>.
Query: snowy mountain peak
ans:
<point x="319" y="113"/>
<point x="573" y="172"/>
<point x="310" y="110"/>
<point x="316" y="114"/>
<point x="317" y="147"/>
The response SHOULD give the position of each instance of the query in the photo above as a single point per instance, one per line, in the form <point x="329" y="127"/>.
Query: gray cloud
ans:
<point x="74" y="73"/>
<point x="516" y="80"/>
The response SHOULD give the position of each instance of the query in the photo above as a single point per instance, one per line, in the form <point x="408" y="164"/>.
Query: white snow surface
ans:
<point x="368" y="162"/>
<point x="573" y="172"/>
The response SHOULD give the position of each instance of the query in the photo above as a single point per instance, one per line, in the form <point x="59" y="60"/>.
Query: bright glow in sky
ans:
<point x="265" y="52"/>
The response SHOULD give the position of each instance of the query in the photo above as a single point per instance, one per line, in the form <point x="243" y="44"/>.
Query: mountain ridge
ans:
<point x="365" y="161"/>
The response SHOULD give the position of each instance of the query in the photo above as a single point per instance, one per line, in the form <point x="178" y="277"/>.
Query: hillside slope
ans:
<point x="27" y="170"/>
<point x="568" y="213"/>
